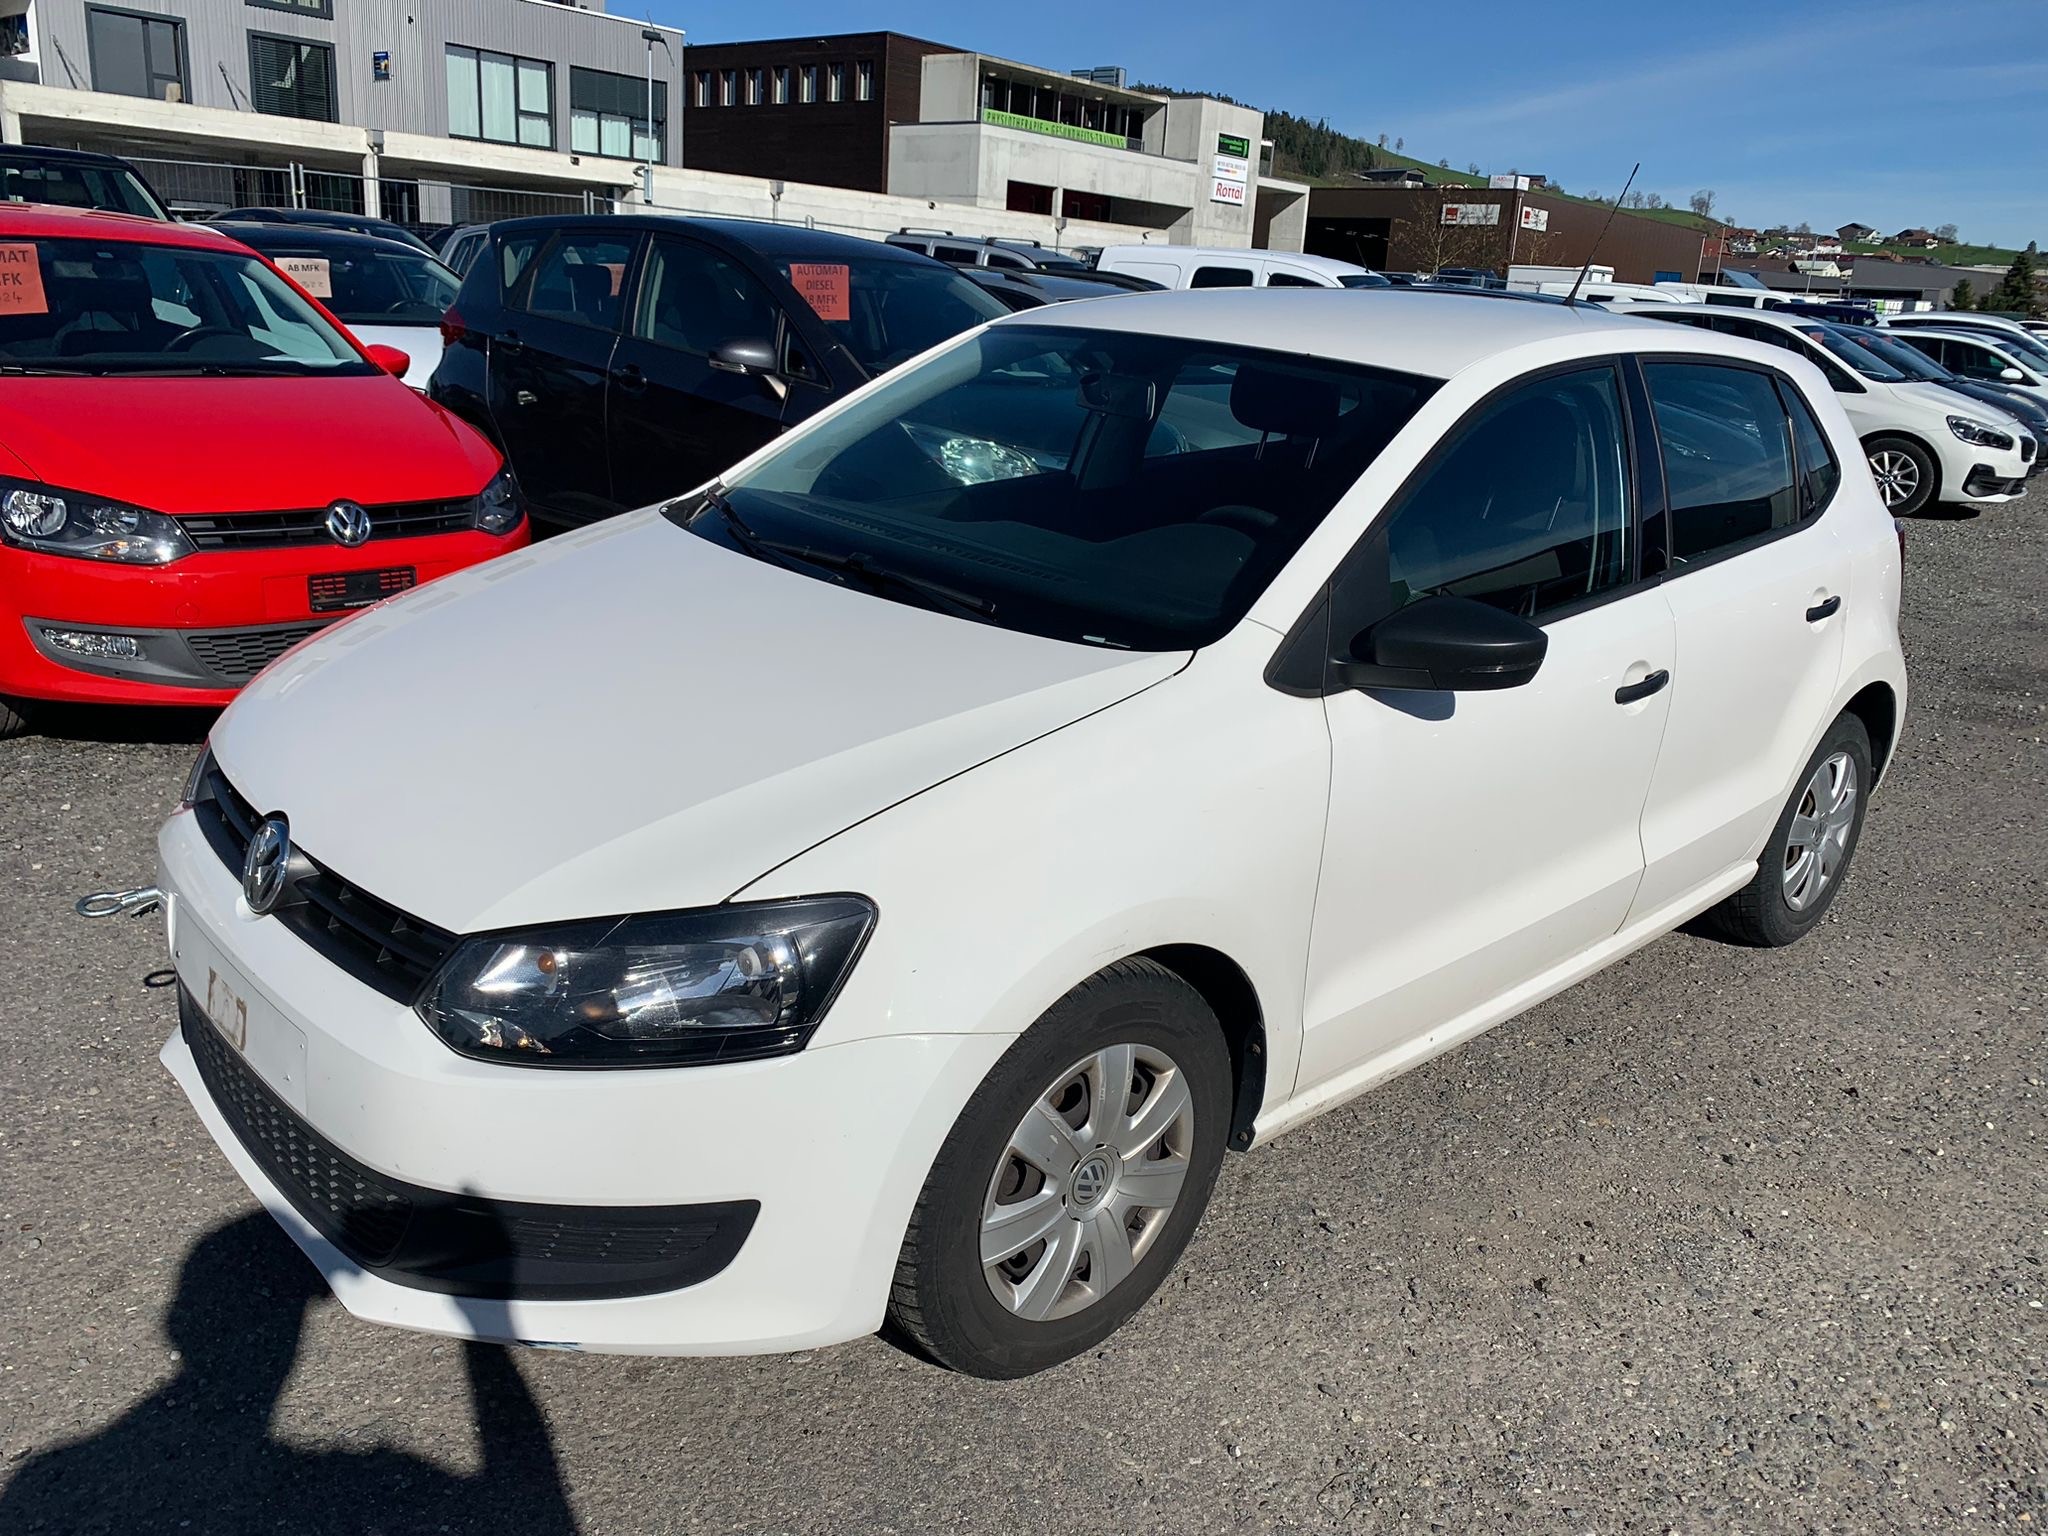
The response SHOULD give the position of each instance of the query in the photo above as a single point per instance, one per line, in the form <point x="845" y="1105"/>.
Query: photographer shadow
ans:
<point x="200" y="1454"/>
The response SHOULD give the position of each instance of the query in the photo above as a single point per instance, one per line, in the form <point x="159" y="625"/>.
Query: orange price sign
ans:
<point x="824" y="286"/>
<point x="21" y="281"/>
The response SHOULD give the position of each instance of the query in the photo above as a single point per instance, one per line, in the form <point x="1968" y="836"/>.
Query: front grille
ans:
<point x="370" y="939"/>
<point x="360" y="1211"/>
<point x="460" y="1245"/>
<point x="239" y="654"/>
<point x="284" y="530"/>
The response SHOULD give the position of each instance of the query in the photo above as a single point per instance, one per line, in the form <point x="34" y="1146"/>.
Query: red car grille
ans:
<point x="284" y="530"/>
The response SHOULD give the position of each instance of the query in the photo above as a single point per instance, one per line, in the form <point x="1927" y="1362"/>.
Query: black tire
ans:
<point x="942" y="1304"/>
<point x="13" y="719"/>
<point x="1927" y="474"/>
<point x="1760" y="913"/>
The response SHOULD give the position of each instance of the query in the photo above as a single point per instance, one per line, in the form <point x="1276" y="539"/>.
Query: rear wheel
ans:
<point x="1071" y="1181"/>
<point x="1807" y="858"/>
<point x="1906" y="474"/>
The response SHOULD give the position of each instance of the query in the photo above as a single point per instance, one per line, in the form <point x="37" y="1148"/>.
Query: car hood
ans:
<point x="630" y="719"/>
<point x="242" y="445"/>
<point x="1939" y="397"/>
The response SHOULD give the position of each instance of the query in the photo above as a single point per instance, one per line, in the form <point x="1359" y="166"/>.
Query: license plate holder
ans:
<point x="335" y="591"/>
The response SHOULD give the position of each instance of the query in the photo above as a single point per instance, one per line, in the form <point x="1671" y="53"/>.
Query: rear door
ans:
<point x="551" y="359"/>
<point x="1757" y="583"/>
<point x="676" y="418"/>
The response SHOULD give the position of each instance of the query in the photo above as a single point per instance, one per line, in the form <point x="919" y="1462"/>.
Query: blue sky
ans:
<point x="1886" y="112"/>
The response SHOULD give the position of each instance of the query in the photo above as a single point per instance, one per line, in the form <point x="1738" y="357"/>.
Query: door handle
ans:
<point x="511" y="343"/>
<point x="1628" y="693"/>
<point x="630" y="378"/>
<point x="1826" y="610"/>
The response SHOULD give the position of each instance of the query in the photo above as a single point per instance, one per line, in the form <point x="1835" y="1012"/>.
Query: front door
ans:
<point x="1477" y="840"/>
<point x="676" y="417"/>
<point x="1757" y="585"/>
<point x="550" y="365"/>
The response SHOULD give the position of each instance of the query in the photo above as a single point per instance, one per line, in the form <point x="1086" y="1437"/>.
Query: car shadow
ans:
<point x="200" y="1454"/>
<point x="122" y="723"/>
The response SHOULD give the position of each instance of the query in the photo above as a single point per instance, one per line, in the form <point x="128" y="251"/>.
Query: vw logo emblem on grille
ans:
<point x="264" y="865"/>
<point x="348" y="524"/>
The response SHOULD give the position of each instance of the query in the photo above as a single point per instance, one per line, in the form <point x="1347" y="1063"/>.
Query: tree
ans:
<point x="1471" y="167"/>
<point x="1443" y="165"/>
<point x="1399" y="145"/>
<point x="2019" y="294"/>
<point x="1963" y="296"/>
<point x="1653" y="200"/>
<point x="1802" y="228"/>
<point x="1945" y="233"/>
<point x="1431" y="244"/>
<point x="1383" y="141"/>
<point x="1703" y="202"/>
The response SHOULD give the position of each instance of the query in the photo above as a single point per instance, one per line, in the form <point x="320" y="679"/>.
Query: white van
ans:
<point x="1611" y="292"/>
<point x="1200" y="266"/>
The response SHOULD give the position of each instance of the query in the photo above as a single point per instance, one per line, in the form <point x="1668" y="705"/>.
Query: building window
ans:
<point x="321" y="8"/>
<point x="289" y="77"/>
<point x="778" y="86"/>
<point x="499" y="98"/>
<point x="835" y="82"/>
<point x="608" y="116"/>
<point x="729" y="88"/>
<point x="700" y="90"/>
<point x="754" y="88"/>
<point x="136" y="55"/>
<point x="864" y="80"/>
<point x="807" y="84"/>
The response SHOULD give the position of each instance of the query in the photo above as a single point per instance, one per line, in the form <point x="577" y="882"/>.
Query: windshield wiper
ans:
<point x="875" y="577"/>
<point x="35" y="371"/>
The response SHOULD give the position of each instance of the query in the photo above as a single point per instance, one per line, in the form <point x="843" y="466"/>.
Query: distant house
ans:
<point x="1862" y="232"/>
<point x="1920" y="237"/>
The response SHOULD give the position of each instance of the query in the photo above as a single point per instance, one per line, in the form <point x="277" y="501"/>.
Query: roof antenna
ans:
<point x="1579" y="281"/>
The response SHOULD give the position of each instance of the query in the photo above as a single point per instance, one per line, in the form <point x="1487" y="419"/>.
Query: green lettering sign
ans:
<point x="1056" y="130"/>
<point x="1235" y="144"/>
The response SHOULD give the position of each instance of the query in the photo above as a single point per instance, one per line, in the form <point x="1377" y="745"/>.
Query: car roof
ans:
<point x="263" y="235"/>
<point x="75" y="156"/>
<point x="1430" y="335"/>
<point x="758" y="235"/>
<point x="42" y="221"/>
<point x="1328" y="264"/>
<point x="1784" y="320"/>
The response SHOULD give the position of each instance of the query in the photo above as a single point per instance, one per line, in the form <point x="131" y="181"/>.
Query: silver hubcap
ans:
<point x="1819" y="838"/>
<point x="1086" y="1182"/>
<point x="1898" y="477"/>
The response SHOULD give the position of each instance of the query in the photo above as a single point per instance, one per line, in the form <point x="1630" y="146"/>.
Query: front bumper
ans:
<point x="832" y="1144"/>
<point x="1985" y="483"/>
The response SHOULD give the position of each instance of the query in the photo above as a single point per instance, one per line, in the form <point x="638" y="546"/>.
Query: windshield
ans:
<point x="362" y="285"/>
<point x="1867" y="363"/>
<point x="1362" y="280"/>
<point x="1124" y="490"/>
<point x="78" y="184"/>
<point x="886" y="312"/>
<point x="1910" y="361"/>
<point x="84" y="306"/>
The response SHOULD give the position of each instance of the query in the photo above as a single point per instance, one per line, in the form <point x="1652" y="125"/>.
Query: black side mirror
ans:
<point x="1446" y="644"/>
<point x="744" y="357"/>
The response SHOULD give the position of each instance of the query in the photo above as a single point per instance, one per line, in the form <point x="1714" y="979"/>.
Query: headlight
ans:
<point x="1978" y="432"/>
<point x="498" y="509"/>
<point x="671" y="989"/>
<point x="41" y="517"/>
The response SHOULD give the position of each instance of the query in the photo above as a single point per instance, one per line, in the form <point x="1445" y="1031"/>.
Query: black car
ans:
<point x="73" y="178"/>
<point x="619" y="360"/>
<point x="356" y="223"/>
<point x="1030" y="290"/>
<point x="992" y="253"/>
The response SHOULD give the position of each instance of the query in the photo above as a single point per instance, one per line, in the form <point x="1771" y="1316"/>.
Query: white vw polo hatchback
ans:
<point x="875" y="890"/>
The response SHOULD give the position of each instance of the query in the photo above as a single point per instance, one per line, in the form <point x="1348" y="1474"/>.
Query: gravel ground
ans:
<point x="1719" y="1241"/>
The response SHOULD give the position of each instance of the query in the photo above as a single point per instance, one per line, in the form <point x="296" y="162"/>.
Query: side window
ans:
<point x="1291" y="280"/>
<point x="1222" y="277"/>
<point x="1007" y="263"/>
<point x="513" y="255"/>
<point x="577" y="278"/>
<point x="1529" y="509"/>
<point x="697" y="300"/>
<point x="1819" y="474"/>
<point x="1727" y="455"/>
<point x="958" y="255"/>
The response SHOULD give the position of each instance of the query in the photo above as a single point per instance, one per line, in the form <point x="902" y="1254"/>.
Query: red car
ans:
<point x="199" y="466"/>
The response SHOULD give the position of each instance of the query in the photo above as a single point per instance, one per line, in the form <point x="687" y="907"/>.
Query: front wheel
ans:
<point x="13" y="718"/>
<point x="1071" y="1181"/>
<point x="1906" y="474"/>
<point x="1807" y="858"/>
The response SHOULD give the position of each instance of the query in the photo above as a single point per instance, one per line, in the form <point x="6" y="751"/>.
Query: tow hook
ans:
<point x="144" y="898"/>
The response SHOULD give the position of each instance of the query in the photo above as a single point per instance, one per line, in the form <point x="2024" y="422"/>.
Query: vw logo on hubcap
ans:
<point x="1091" y="1181"/>
<point x="264" y="865"/>
<point x="348" y="524"/>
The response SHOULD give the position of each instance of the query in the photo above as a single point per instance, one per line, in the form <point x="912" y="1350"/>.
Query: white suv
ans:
<point x="1925" y="443"/>
<point x="882" y="886"/>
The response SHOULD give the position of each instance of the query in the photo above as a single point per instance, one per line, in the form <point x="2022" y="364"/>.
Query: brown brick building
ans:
<point x="1406" y="229"/>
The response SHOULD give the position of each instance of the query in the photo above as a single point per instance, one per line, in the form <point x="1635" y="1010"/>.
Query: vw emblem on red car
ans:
<point x="348" y="524"/>
<point x="265" y="863"/>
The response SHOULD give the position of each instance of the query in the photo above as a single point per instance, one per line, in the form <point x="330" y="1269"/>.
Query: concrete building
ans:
<point x="973" y="134"/>
<point x="427" y="111"/>
<point x="1423" y="229"/>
